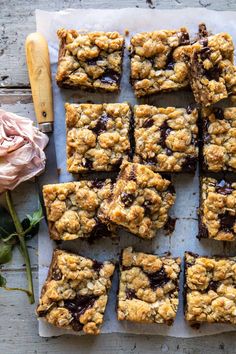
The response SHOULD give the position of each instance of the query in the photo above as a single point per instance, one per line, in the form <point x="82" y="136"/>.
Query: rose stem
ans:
<point x="23" y="247"/>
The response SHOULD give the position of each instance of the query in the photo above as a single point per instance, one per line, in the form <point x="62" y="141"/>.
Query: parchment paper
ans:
<point x="185" y="209"/>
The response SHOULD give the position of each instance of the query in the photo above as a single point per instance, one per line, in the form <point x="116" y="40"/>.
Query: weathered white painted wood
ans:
<point x="17" y="20"/>
<point x="18" y="335"/>
<point x="18" y="326"/>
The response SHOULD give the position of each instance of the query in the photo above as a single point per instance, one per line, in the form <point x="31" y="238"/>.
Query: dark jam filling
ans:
<point x="189" y="164"/>
<point x="170" y="225"/>
<point x="157" y="279"/>
<point x="218" y="112"/>
<point x="165" y="131"/>
<point x="227" y="221"/>
<point x="184" y="38"/>
<point x="78" y="307"/>
<point x="97" y="266"/>
<point x="127" y="199"/>
<point x="203" y="232"/>
<point x="87" y="163"/>
<point x="213" y="285"/>
<point x="190" y="108"/>
<point x="56" y="274"/>
<point x="151" y="160"/>
<point x="100" y="230"/>
<point x="93" y="61"/>
<point x="211" y="74"/>
<point x="224" y="187"/>
<point x="148" y="123"/>
<point x="101" y="124"/>
<point x="96" y="183"/>
<point x="130" y="294"/>
<point x="202" y="31"/>
<point x="132" y="174"/>
<point x="110" y="77"/>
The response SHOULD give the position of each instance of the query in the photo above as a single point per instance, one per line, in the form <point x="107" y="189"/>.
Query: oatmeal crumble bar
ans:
<point x="97" y="136"/>
<point x="149" y="287"/>
<point x="140" y="200"/>
<point x="219" y="139"/>
<point x="75" y="293"/>
<point x="154" y="66"/>
<point x="211" y="70"/>
<point x="166" y="138"/>
<point x="217" y="214"/>
<point x="210" y="287"/>
<point x="72" y="209"/>
<point x="90" y="60"/>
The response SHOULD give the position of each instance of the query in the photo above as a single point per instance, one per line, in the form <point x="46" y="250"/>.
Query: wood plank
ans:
<point x="18" y="335"/>
<point x="15" y="25"/>
<point x="25" y="196"/>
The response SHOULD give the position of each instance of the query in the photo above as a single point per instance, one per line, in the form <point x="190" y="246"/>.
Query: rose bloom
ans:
<point x="21" y="150"/>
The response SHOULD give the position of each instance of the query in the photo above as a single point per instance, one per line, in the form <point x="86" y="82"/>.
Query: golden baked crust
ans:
<point x="211" y="69"/>
<point x="219" y="139"/>
<point x="154" y="66"/>
<point x="75" y="293"/>
<point x="140" y="200"/>
<point x="148" y="290"/>
<point x="217" y="214"/>
<point x="97" y="136"/>
<point x="166" y="138"/>
<point x="90" y="60"/>
<point x="210" y="287"/>
<point x="72" y="208"/>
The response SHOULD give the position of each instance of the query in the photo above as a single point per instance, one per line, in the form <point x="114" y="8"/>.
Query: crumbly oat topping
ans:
<point x="219" y="139"/>
<point x="154" y="66"/>
<point x="75" y="293"/>
<point x="97" y="136"/>
<point x="166" y="138"/>
<point x="217" y="210"/>
<point x="148" y="290"/>
<point x="211" y="69"/>
<point x="140" y="201"/>
<point x="72" y="209"/>
<point x="90" y="60"/>
<point x="210" y="289"/>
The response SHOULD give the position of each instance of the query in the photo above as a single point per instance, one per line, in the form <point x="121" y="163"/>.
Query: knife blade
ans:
<point x="38" y="63"/>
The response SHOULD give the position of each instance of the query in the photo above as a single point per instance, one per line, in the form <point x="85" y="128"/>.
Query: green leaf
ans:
<point x="3" y="281"/>
<point x="5" y="252"/>
<point x="31" y="223"/>
<point x="7" y="226"/>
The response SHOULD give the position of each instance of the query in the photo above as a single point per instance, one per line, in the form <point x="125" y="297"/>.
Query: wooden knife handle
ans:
<point x="38" y="62"/>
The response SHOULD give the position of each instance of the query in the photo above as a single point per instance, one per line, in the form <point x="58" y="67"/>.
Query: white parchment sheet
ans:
<point x="185" y="209"/>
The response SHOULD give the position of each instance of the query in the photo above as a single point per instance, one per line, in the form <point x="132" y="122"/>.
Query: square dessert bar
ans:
<point x="219" y="139"/>
<point x="149" y="287"/>
<point x="72" y="209"/>
<point x="154" y="66"/>
<point x="210" y="288"/>
<point x="166" y="138"/>
<point x="75" y="292"/>
<point x="97" y="136"/>
<point x="217" y="214"/>
<point x="90" y="60"/>
<point x="140" y="200"/>
<point x="211" y="69"/>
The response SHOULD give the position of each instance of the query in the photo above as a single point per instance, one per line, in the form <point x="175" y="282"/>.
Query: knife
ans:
<point x="38" y="63"/>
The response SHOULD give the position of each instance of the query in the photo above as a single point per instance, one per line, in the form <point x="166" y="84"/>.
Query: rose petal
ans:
<point x="21" y="150"/>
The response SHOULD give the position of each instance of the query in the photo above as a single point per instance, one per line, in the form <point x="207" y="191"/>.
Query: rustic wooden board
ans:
<point x="18" y="325"/>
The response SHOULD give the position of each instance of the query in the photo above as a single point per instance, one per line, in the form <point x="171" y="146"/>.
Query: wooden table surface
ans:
<point x="18" y="325"/>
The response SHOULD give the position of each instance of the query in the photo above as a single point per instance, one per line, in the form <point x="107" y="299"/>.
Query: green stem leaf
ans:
<point x="23" y="246"/>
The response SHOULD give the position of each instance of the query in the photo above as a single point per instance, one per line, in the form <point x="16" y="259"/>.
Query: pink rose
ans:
<point x="21" y="150"/>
